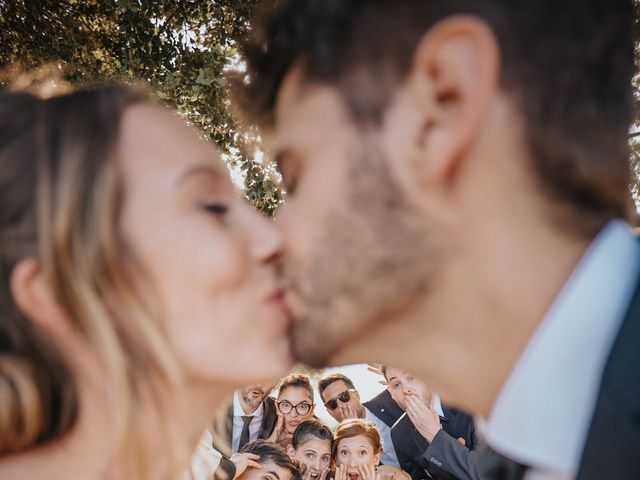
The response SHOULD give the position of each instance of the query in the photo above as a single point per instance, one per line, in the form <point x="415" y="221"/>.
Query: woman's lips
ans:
<point x="278" y="297"/>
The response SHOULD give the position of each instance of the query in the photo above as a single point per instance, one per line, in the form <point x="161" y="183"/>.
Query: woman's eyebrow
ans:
<point x="200" y="169"/>
<point x="274" y="474"/>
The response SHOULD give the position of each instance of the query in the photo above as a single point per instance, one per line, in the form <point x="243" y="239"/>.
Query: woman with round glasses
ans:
<point x="294" y="406"/>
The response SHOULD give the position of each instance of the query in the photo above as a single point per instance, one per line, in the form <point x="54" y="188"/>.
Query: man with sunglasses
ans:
<point x="342" y="401"/>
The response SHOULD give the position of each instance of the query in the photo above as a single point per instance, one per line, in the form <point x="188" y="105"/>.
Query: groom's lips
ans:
<point x="293" y="302"/>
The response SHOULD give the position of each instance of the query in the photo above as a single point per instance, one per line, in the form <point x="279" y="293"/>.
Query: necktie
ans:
<point x="493" y="466"/>
<point x="244" y="435"/>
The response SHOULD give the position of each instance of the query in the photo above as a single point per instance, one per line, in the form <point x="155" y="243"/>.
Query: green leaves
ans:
<point x="179" y="47"/>
<point x="206" y="76"/>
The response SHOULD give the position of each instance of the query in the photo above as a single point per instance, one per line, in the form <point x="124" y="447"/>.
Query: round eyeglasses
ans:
<point x="344" y="397"/>
<point x="301" y="408"/>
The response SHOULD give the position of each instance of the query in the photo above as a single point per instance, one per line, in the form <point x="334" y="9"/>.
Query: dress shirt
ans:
<point x="542" y="415"/>
<point x="238" y="422"/>
<point x="388" y="456"/>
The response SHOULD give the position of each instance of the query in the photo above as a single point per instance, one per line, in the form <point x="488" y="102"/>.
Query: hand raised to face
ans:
<point x="424" y="418"/>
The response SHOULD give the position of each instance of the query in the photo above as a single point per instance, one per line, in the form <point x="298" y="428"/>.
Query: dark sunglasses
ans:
<point x="344" y="397"/>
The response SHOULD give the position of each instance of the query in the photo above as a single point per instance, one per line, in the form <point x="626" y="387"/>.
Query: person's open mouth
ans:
<point x="353" y="476"/>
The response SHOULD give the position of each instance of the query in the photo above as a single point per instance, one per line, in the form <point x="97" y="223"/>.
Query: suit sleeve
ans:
<point x="446" y="454"/>
<point x="408" y="464"/>
<point x="226" y="469"/>
<point x="208" y="463"/>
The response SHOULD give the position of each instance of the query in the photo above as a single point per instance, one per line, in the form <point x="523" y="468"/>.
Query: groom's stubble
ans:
<point x="371" y="260"/>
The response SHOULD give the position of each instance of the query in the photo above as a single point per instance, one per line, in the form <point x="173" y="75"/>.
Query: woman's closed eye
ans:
<point x="216" y="208"/>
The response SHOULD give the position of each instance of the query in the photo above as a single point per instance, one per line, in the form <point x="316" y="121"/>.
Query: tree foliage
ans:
<point x="180" y="47"/>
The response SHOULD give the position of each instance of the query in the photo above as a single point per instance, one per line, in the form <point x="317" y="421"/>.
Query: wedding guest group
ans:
<point x="432" y="441"/>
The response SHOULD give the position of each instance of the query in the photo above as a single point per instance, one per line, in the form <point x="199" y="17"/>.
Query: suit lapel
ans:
<point x="269" y="418"/>
<point x="229" y="424"/>
<point x="613" y="445"/>
<point x="222" y="431"/>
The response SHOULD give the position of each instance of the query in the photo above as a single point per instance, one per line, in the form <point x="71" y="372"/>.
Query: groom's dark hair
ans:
<point x="567" y="66"/>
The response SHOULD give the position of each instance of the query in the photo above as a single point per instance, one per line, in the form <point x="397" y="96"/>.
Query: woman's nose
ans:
<point x="266" y="239"/>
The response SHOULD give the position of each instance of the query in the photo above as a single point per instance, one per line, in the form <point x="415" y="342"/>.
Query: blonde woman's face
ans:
<point x="356" y="451"/>
<point x="207" y="258"/>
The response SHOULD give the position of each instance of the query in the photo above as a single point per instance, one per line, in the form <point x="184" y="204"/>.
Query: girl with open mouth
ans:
<point x="311" y="444"/>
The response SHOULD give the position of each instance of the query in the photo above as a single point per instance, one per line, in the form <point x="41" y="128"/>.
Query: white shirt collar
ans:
<point x="543" y="412"/>
<point x="239" y="412"/>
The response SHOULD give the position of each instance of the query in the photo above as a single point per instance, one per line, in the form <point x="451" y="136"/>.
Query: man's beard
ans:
<point x="252" y="402"/>
<point x="373" y="260"/>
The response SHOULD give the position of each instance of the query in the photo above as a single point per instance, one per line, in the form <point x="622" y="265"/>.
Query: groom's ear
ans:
<point x="446" y="98"/>
<point x="290" y="450"/>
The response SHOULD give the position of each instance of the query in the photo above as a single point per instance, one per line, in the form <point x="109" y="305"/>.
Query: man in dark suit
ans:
<point x="445" y="456"/>
<point x="384" y="407"/>
<point x="431" y="442"/>
<point x="251" y="416"/>
<point x="457" y="177"/>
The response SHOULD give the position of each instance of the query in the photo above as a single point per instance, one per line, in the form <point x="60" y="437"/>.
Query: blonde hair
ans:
<point x="61" y="193"/>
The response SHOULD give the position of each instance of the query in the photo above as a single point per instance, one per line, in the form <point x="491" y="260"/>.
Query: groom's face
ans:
<point x="356" y="245"/>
